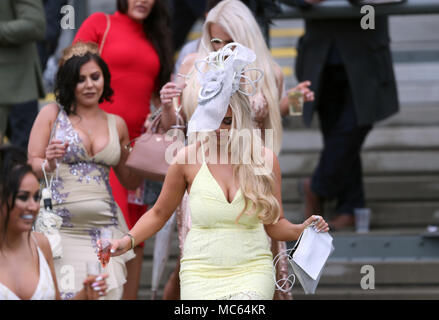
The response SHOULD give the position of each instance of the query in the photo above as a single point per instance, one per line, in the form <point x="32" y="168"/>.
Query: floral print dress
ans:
<point x="82" y="196"/>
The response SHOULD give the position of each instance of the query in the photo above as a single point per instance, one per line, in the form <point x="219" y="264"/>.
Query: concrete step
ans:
<point x="146" y="294"/>
<point x="384" y="214"/>
<point x="383" y="138"/>
<point x="389" y="273"/>
<point x="343" y="280"/>
<point x="348" y="293"/>
<point x="379" y="293"/>
<point x="419" y="162"/>
<point x="411" y="114"/>
<point x="387" y="188"/>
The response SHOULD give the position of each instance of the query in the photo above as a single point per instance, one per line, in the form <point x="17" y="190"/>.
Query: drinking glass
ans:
<point x="94" y="268"/>
<point x="295" y="103"/>
<point x="180" y="81"/>
<point x="362" y="219"/>
<point x="105" y="246"/>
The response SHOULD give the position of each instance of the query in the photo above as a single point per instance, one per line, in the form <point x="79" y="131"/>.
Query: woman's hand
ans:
<point x="95" y="286"/>
<point x="118" y="246"/>
<point x="169" y="91"/>
<point x="320" y="223"/>
<point x="55" y="150"/>
<point x="303" y="87"/>
<point x="259" y="107"/>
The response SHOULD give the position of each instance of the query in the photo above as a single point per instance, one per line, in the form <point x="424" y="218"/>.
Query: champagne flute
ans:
<point x="60" y="134"/>
<point x="104" y="246"/>
<point x="94" y="269"/>
<point x="180" y="81"/>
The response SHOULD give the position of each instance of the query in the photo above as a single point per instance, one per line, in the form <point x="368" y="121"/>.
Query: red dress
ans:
<point x="134" y="66"/>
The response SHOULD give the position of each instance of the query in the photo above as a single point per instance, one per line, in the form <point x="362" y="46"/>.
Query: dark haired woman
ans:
<point x="26" y="263"/>
<point x="84" y="145"/>
<point x="138" y="50"/>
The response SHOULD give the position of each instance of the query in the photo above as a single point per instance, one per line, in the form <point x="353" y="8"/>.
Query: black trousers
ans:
<point x="339" y="173"/>
<point x="20" y="122"/>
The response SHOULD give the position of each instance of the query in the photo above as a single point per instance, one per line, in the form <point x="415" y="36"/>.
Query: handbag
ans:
<point x="47" y="222"/>
<point x="148" y="155"/>
<point x="307" y="259"/>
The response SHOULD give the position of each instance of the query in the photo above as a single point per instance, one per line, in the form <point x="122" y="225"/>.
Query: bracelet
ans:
<point x="133" y="241"/>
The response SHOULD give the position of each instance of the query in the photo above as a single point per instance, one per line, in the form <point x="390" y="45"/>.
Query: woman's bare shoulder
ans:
<point x="49" y="111"/>
<point x="44" y="244"/>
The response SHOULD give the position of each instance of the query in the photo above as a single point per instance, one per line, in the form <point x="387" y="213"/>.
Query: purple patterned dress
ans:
<point x="83" y="198"/>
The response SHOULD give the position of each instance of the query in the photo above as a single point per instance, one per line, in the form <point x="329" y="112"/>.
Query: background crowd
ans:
<point x="345" y="74"/>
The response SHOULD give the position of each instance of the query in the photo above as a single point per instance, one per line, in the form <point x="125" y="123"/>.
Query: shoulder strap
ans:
<point x="112" y="125"/>
<point x="33" y="238"/>
<point x="202" y="152"/>
<point x="101" y="47"/>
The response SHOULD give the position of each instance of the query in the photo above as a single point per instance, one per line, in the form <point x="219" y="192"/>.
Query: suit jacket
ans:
<point x="366" y="57"/>
<point x="22" y="23"/>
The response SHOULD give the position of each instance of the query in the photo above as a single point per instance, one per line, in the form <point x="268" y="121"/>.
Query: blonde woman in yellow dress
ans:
<point x="232" y="21"/>
<point x="234" y="203"/>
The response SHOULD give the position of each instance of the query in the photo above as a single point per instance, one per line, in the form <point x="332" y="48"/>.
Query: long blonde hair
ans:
<point x="238" y="21"/>
<point x="257" y="184"/>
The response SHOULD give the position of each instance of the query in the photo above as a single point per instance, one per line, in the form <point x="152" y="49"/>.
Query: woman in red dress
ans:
<point x="138" y="50"/>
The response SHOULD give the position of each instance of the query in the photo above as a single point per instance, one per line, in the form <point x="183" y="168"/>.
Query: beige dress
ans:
<point x="82" y="197"/>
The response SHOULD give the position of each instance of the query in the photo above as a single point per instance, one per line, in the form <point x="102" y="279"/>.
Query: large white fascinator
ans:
<point x="221" y="74"/>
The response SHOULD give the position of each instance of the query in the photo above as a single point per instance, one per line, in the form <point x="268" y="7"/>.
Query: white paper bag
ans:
<point x="309" y="257"/>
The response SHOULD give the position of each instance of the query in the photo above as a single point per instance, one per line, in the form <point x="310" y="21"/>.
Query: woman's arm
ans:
<point x="154" y="219"/>
<point x="38" y="147"/>
<point x="127" y="177"/>
<point x="284" y="230"/>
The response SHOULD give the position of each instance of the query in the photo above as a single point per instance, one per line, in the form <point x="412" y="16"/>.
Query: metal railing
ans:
<point x="342" y="8"/>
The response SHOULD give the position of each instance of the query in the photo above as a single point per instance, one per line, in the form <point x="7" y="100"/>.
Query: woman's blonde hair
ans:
<point x="238" y="21"/>
<point x="254" y="175"/>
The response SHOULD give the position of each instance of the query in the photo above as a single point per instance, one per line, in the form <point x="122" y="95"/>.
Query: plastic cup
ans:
<point x="295" y="102"/>
<point x="362" y="220"/>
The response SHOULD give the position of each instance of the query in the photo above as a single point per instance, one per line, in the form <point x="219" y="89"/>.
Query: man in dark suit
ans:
<point x="22" y="24"/>
<point x="351" y="72"/>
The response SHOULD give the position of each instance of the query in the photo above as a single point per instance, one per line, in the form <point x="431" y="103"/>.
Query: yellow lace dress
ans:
<point x="222" y="259"/>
